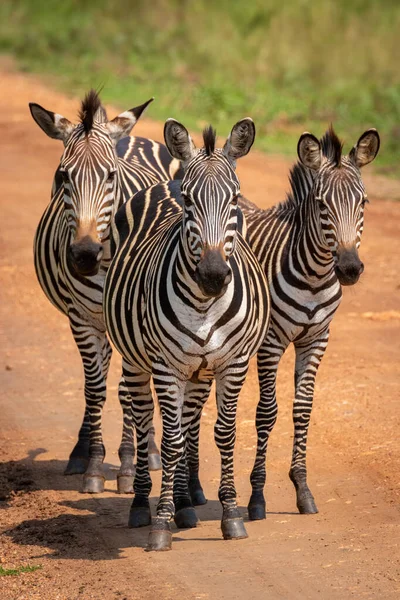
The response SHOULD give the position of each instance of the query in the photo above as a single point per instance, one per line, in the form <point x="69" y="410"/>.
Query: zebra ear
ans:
<point x="54" y="125"/>
<point x="240" y="139"/>
<point x="366" y="148"/>
<point x="122" y="125"/>
<point x="178" y="141"/>
<point x="309" y="151"/>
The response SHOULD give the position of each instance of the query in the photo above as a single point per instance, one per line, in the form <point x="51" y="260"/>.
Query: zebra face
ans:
<point x="89" y="173"/>
<point x="90" y="181"/>
<point x="340" y="196"/>
<point x="210" y="190"/>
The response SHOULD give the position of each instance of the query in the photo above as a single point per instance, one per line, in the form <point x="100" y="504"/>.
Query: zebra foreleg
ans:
<point x="126" y="450"/>
<point x="154" y="453"/>
<point x="95" y="358"/>
<point x="229" y="384"/>
<point x="138" y="387"/>
<point x="170" y="392"/>
<point x="308" y="359"/>
<point x="185" y="515"/>
<point x="186" y="480"/>
<point x="192" y="445"/>
<point x="268" y="359"/>
<point x="79" y="457"/>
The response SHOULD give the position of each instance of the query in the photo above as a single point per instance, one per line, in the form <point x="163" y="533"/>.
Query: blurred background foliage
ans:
<point x="291" y="65"/>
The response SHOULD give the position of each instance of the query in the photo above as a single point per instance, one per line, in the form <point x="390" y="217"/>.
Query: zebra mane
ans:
<point x="332" y="147"/>
<point x="209" y="136"/>
<point x="91" y="110"/>
<point x="301" y="180"/>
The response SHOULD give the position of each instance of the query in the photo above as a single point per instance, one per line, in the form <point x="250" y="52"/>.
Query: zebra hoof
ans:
<point x="125" y="484"/>
<point x="93" y="484"/>
<point x="186" y="518"/>
<point x="233" y="529"/>
<point x="76" y="466"/>
<point x="257" y="512"/>
<point x="307" y="506"/>
<point x="154" y="462"/>
<point x="139" y="516"/>
<point x="159" y="540"/>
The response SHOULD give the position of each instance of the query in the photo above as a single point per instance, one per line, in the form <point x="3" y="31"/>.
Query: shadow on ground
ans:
<point x="92" y="527"/>
<point x="30" y="474"/>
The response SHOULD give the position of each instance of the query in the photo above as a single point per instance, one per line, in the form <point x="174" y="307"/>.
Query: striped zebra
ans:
<point x="100" y="169"/>
<point x="185" y="301"/>
<point x="308" y="248"/>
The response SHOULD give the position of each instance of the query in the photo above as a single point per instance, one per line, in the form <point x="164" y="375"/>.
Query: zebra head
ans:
<point x="340" y="195"/>
<point x="89" y="171"/>
<point x="210" y="190"/>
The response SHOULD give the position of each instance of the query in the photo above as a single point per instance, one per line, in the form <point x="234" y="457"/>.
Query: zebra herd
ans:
<point x="154" y="247"/>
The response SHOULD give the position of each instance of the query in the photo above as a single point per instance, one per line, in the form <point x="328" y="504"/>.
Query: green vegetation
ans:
<point x="18" y="571"/>
<point x="291" y="65"/>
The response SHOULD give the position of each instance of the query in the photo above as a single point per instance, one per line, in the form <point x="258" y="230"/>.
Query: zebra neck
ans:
<point x="312" y="259"/>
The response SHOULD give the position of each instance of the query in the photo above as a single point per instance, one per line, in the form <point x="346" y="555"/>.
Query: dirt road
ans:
<point x="349" y="550"/>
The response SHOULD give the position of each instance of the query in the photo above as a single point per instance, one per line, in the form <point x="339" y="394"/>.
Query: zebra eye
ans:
<point x="111" y="177"/>
<point x="65" y="176"/>
<point x="235" y="200"/>
<point x="186" y="201"/>
<point x="364" y="201"/>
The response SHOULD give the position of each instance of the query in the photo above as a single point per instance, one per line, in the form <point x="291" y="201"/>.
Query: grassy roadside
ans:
<point x="18" y="570"/>
<point x="291" y="66"/>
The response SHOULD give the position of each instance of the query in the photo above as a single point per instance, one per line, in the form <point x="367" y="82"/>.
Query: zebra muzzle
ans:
<point x="348" y="267"/>
<point x="213" y="274"/>
<point x="85" y="256"/>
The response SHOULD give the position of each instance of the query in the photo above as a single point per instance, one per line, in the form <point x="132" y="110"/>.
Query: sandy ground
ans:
<point x="349" y="550"/>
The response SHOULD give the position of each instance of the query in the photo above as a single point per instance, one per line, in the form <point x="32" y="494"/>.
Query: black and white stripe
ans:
<point x="185" y="302"/>
<point x="99" y="169"/>
<point x="308" y="248"/>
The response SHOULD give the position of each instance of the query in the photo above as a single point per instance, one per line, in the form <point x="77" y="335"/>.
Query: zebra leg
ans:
<point x="185" y="515"/>
<point x="126" y="451"/>
<point x="268" y="358"/>
<point x="95" y="353"/>
<point x="308" y="359"/>
<point x="170" y="392"/>
<point x="79" y="457"/>
<point x="229" y="384"/>
<point x="154" y="453"/>
<point x="138" y="386"/>
<point x="196" y="394"/>
<point x="192" y="446"/>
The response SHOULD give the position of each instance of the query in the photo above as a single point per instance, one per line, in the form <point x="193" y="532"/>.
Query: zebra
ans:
<point x="185" y="301"/>
<point x="99" y="169"/>
<point x="308" y="247"/>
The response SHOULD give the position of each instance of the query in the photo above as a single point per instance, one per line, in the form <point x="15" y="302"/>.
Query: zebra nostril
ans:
<point x="228" y="278"/>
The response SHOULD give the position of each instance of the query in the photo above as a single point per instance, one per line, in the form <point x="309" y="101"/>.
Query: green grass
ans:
<point x="291" y="65"/>
<point x="18" y="570"/>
